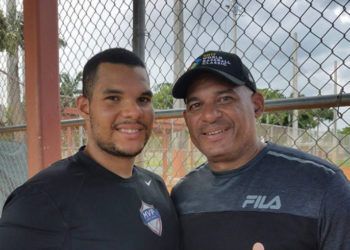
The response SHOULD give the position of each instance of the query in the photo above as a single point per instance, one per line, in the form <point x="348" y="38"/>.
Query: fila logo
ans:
<point x="259" y="201"/>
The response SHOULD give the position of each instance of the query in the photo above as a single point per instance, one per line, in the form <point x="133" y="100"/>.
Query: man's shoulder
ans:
<point x="39" y="205"/>
<point x="199" y="174"/>
<point x="56" y="181"/>
<point x="295" y="158"/>
<point x="62" y="170"/>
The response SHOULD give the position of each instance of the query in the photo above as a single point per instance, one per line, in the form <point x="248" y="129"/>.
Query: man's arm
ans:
<point x="334" y="223"/>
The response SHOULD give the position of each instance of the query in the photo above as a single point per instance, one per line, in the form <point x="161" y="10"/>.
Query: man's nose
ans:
<point x="131" y="110"/>
<point x="210" y="113"/>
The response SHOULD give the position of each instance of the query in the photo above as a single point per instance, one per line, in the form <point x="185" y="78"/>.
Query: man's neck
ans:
<point x="240" y="160"/>
<point x="121" y="166"/>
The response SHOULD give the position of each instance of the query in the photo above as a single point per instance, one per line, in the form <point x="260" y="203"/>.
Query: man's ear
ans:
<point x="259" y="104"/>
<point x="83" y="107"/>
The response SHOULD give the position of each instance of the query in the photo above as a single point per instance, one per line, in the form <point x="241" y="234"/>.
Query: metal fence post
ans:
<point x="138" y="40"/>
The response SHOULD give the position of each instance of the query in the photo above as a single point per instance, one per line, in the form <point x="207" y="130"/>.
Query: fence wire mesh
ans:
<point x="294" y="48"/>
<point x="13" y="156"/>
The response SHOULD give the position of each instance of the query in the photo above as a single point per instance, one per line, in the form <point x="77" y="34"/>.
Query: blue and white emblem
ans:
<point x="151" y="218"/>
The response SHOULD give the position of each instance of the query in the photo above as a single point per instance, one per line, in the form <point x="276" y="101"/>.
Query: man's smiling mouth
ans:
<point x="216" y="132"/>
<point x="129" y="131"/>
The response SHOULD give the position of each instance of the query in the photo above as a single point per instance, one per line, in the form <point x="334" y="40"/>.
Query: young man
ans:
<point x="250" y="191"/>
<point x="98" y="198"/>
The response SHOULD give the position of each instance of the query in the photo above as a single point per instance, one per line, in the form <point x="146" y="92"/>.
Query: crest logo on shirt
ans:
<point x="150" y="216"/>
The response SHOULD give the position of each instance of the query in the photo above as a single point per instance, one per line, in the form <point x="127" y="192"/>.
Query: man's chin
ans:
<point x="209" y="150"/>
<point x="212" y="154"/>
<point x="127" y="153"/>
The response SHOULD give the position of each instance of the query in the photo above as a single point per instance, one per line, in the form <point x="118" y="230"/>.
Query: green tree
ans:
<point x="11" y="40"/>
<point x="308" y="118"/>
<point x="69" y="89"/>
<point x="277" y="118"/>
<point x="14" y="32"/>
<point x="345" y="131"/>
<point x="3" y="31"/>
<point x="11" y="32"/>
<point x="312" y="117"/>
<point x="162" y="98"/>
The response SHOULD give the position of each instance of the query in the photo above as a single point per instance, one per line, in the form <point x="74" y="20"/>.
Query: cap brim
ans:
<point x="181" y="85"/>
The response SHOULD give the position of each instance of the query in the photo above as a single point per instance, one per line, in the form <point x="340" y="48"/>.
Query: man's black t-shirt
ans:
<point x="78" y="204"/>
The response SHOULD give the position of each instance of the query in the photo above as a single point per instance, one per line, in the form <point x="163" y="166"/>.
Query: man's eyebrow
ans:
<point x="109" y="91"/>
<point x="112" y="91"/>
<point x="191" y="99"/>
<point x="147" y="93"/>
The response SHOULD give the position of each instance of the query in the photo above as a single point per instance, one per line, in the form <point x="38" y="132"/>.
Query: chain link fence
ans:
<point x="13" y="157"/>
<point x="294" y="48"/>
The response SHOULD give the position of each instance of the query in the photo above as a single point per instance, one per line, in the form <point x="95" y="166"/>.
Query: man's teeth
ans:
<point x="215" y="132"/>
<point x="129" y="131"/>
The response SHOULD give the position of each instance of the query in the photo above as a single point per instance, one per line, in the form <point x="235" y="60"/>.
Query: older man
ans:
<point x="251" y="191"/>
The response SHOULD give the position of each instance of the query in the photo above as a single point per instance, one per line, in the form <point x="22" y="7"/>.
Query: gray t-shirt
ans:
<point x="284" y="198"/>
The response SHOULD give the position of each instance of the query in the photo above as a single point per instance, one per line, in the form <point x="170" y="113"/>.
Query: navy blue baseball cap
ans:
<point x="227" y="65"/>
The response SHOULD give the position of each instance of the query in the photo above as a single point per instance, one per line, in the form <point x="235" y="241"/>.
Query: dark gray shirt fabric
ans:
<point x="77" y="204"/>
<point x="284" y="198"/>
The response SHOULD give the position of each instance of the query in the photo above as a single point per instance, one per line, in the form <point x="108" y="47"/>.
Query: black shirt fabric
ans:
<point x="78" y="204"/>
<point x="283" y="198"/>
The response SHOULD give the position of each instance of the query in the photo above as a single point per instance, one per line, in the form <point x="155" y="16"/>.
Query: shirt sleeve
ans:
<point x="334" y="221"/>
<point x="30" y="220"/>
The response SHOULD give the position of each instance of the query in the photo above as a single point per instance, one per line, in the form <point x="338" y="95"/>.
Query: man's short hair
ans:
<point x="114" y="55"/>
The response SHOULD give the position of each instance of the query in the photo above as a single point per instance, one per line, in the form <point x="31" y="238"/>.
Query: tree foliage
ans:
<point x="162" y="98"/>
<point x="69" y="89"/>
<point x="345" y="131"/>
<point x="11" y="32"/>
<point x="14" y="34"/>
<point x="307" y="119"/>
<point x="3" y="31"/>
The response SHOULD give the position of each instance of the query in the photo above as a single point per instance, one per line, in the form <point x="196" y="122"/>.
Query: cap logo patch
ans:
<point x="196" y="62"/>
<point x="150" y="216"/>
<point x="212" y="58"/>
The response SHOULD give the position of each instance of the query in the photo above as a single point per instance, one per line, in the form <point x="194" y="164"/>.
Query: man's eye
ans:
<point x="193" y="106"/>
<point x="225" y="99"/>
<point x="145" y="100"/>
<point x="112" y="98"/>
